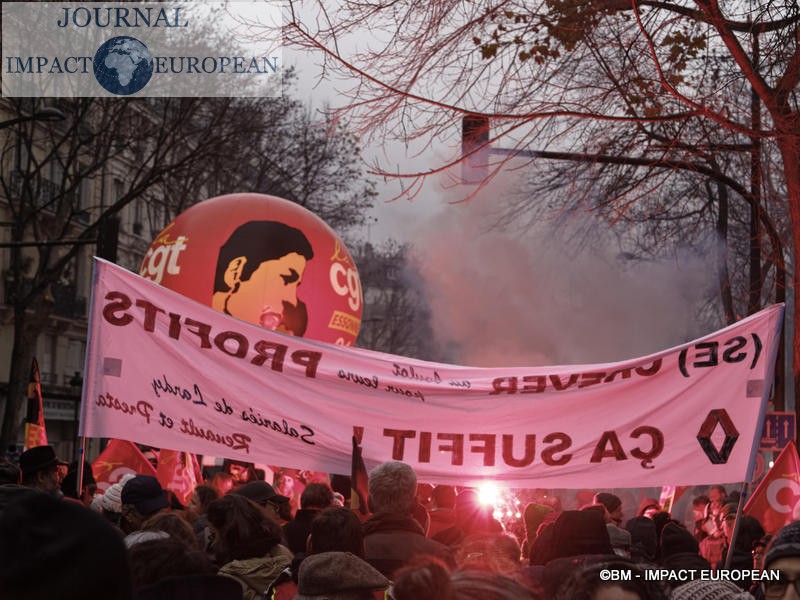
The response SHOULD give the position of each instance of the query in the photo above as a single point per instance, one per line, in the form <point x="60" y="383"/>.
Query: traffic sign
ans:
<point x="779" y="428"/>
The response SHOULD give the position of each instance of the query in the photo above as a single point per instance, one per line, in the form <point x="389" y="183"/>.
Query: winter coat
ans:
<point x="256" y="575"/>
<point x="296" y="532"/>
<point x="391" y="541"/>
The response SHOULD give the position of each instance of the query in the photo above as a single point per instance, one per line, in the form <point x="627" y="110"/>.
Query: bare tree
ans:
<point x="396" y="317"/>
<point x="164" y="154"/>
<point x="284" y="151"/>
<point x="655" y="88"/>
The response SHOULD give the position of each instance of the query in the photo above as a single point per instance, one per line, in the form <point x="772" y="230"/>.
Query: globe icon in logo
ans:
<point x="123" y="65"/>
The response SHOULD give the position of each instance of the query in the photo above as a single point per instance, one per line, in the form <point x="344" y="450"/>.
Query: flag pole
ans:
<point x="735" y="534"/>
<point x="88" y="367"/>
<point x="81" y="454"/>
<point x="769" y="376"/>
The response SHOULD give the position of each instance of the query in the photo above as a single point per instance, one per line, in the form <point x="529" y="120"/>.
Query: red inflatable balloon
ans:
<point x="264" y="260"/>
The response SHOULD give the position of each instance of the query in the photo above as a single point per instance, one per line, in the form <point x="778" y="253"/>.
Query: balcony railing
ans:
<point x="47" y="195"/>
<point x="66" y="302"/>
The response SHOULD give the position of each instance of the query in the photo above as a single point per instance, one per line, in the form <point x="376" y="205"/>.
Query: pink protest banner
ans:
<point x="165" y="371"/>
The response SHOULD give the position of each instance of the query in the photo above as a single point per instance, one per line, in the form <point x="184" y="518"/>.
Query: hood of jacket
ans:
<point x="259" y="573"/>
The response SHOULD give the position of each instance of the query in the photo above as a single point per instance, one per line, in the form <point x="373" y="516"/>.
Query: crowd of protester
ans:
<point x="239" y="541"/>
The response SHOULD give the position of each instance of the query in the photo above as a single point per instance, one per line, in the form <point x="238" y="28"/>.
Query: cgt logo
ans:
<point x="783" y="495"/>
<point x="717" y="417"/>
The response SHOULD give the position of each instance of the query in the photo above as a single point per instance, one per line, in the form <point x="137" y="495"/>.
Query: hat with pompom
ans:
<point x="112" y="498"/>
<point x="700" y="589"/>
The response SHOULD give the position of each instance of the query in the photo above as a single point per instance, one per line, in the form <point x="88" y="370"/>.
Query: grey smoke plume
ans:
<point x="536" y="297"/>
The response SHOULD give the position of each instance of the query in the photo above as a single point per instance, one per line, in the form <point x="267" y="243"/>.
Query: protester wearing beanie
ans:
<point x="443" y="513"/>
<point x="783" y="554"/>
<point x="709" y="590"/>
<point x="613" y="505"/>
<point x="620" y="540"/>
<point x="648" y="507"/>
<point x="644" y="539"/>
<point x="578" y="532"/>
<point x="533" y="517"/>
<point x="785" y="544"/>
<point x="111" y="500"/>
<point x="680" y="550"/>
<point x="676" y="539"/>
<point x="573" y="533"/>
<point x="142" y="497"/>
<point x="740" y="557"/>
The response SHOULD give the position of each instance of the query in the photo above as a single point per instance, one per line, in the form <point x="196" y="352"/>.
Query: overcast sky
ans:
<point x="399" y="218"/>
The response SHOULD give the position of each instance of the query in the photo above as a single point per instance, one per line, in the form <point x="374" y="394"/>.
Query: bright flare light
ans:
<point x="488" y="493"/>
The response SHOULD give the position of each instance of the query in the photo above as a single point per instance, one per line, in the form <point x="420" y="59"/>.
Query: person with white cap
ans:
<point x="111" y="501"/>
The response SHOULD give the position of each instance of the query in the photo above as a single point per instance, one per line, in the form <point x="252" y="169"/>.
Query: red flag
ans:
<point x="359" y="481"/>
<point x="176" y="473"/>
<point x="35" y="432"/>
<point x="118" y="458"/>
<point x="775" y="498"/>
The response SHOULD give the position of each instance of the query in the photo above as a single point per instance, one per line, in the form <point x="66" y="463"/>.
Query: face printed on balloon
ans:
<point x="259" y="271"/>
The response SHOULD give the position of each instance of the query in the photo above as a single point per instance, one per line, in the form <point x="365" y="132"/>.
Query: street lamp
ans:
<point x="48" y="113"/>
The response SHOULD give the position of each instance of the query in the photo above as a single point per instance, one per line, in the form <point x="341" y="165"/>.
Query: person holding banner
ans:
<point x="750" y="532"/>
